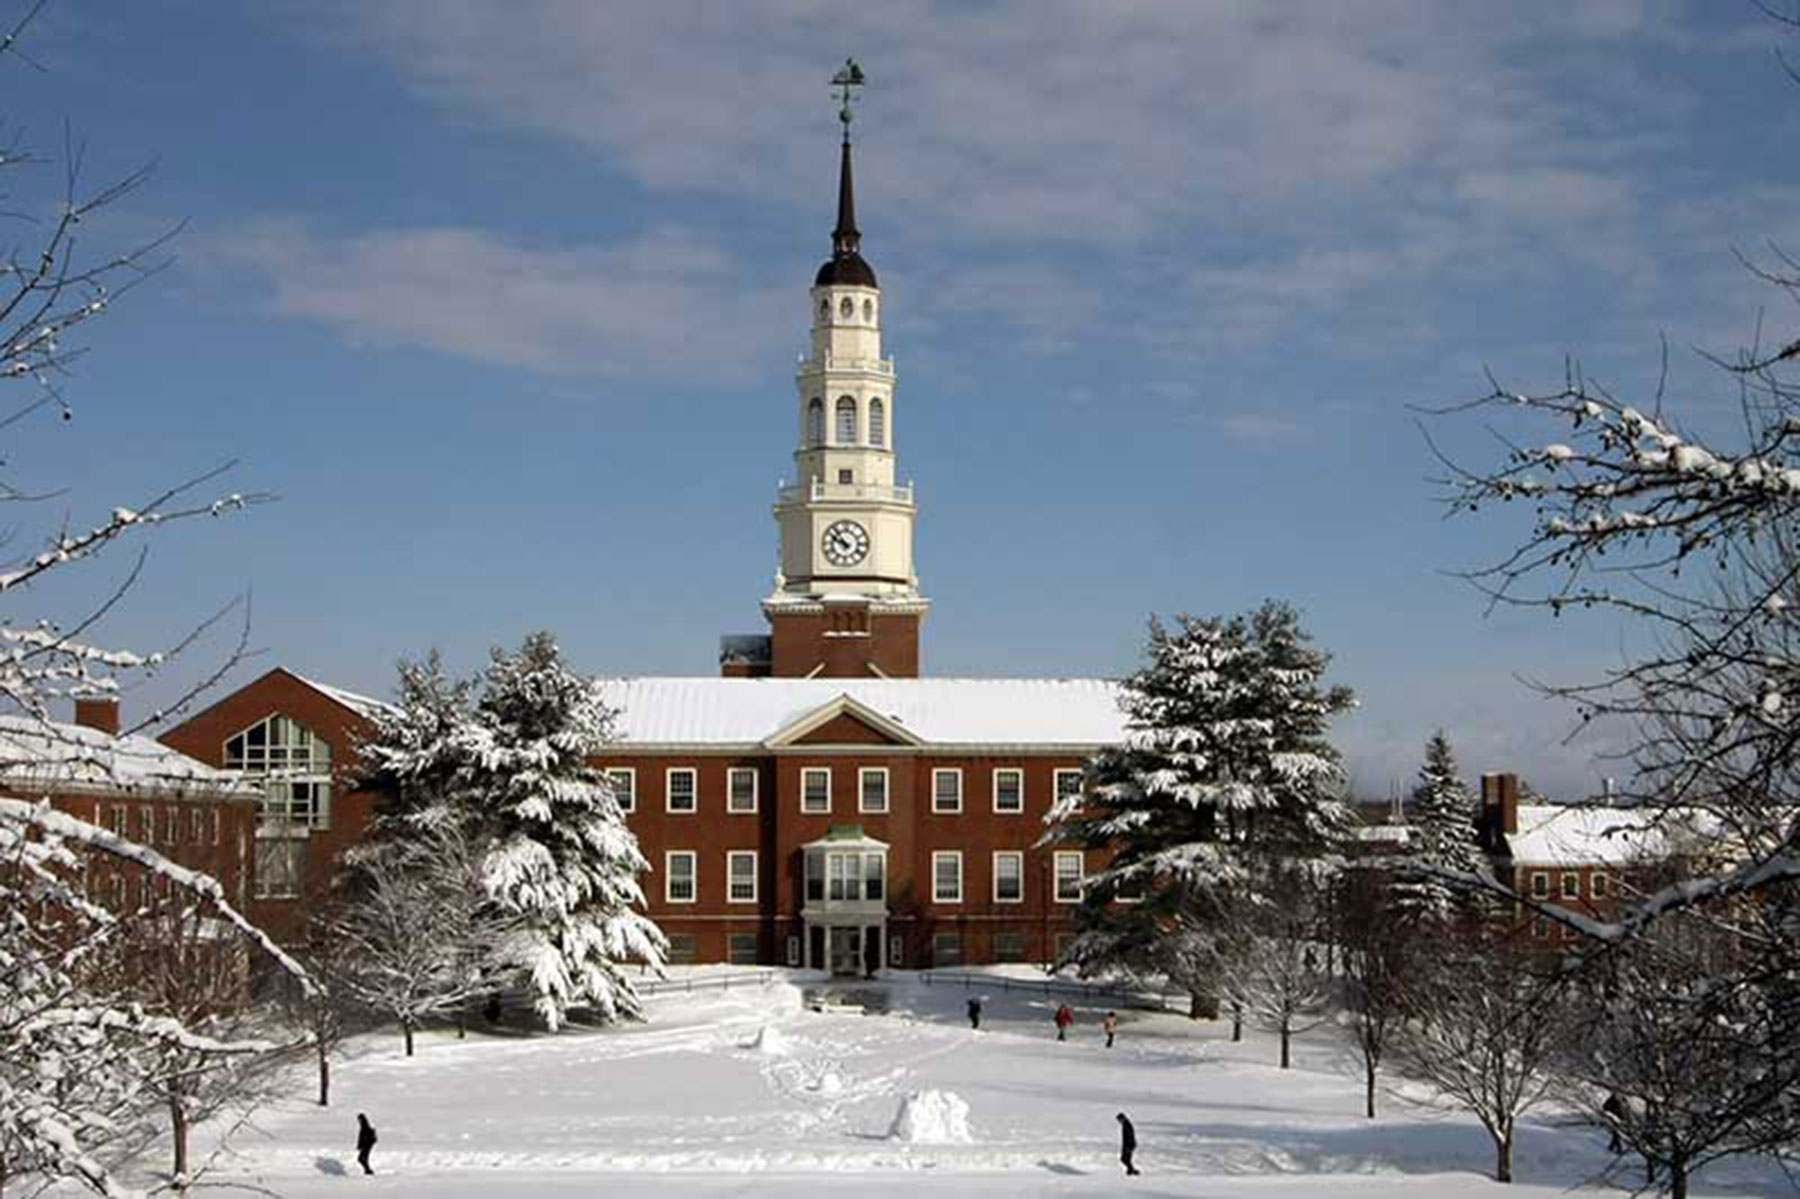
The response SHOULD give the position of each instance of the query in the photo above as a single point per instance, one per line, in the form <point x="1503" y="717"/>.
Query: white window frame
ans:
<point x="938" y="773"/>
<point x="1056" y="783"/>
<point x="863" y="776"/>
<point x="807" y="772"/>
<point x="669" y="790"/>
<point x="1569" y="885"/>
<point x="628" y="798"/>
<point x="1018" y="857"/>
<point x="693" y="875"/>
<point x="731" y="802"/>
<point x="1057" y="876"/>
<point x="1540" y="884"/>
<point x="846" y="406"/>
<point x="937" y="891"/>
<point x="1597" y="885"/>
<point x="1018" y="773"/>
<point x="732" y="857"/>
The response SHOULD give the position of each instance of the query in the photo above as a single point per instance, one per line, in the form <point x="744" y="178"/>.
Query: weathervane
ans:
<point x="851" y="76"/>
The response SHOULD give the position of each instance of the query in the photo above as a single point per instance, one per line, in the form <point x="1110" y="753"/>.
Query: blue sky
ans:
<point x="503" y="301"/>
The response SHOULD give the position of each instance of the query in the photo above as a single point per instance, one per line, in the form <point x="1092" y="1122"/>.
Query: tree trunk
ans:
<point x="178" y="1132"/>
<point x="1369" y="1090"/>
<point x="1678" y="1178"/>
<point x="1503" y="1154"/>
<point x="324" y="1075"/>
<point x="462" y="1022"/>
<point x="1237" y="1022"/>
<point x="1285" y="1035"/>
<point x="407" y="1028"/>
<point x="1196" y="1005"/>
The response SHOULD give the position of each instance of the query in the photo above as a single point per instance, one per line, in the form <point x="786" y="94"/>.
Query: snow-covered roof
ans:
<point x="1580" y="835"/>
<point x="985" y="712"/>
<point x="55" y="756"/>
<point x="365" y="706"/>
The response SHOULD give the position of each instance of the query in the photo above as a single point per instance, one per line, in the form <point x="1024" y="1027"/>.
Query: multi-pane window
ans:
<point x="196" y="827"/>
<point x="844" y="877"/>
<point x="740" y="949"/>
<point x="946" y="876"/>
<point x="1009" y="790"/>
<point x="946" y="790"/>
<point x="1597" y="885"/>
<point x="874" y="880"/>
<point x="147" y="825"/>
<point x="740" y="876"/>
<point x="1571" y="885"/>
<point x="741" y="789"/>
<point x="280" y="866"/>
<point x="294" y="767"/>
<point x="846" y="421"/>
<point x="1009" y="877"/>
<point x="679" y="868"/>
<point x="1068" y="876"/>
<point x="815" y="790"/>
<point x="624" y="787"/>
<point x="815" y="422"/>
<point x="171" y="825"/>
<point x="682" y="949"/>
<point x="873" y="785"/>
<point x="1540" y="885"/>
<point x="683" y="794"/>
<point x="877" y="423"/>
<point x="119" y="815"/>
<point x="1068" y="785"/>
<point x="1009" y="947"/>
<point x="946" y="949"/>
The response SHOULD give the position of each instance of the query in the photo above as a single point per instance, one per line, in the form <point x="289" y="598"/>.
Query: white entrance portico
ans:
<point x="845" y="912"/>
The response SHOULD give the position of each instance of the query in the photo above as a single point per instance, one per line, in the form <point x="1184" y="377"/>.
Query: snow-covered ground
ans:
<point x="749" y="1092"/>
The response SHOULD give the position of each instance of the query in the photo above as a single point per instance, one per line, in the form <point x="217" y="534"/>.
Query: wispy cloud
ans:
<point x="618" y="310"/>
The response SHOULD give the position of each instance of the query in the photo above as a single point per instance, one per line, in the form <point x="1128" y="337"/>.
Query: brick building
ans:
<point x="187" y="811"/>
<point x="819" y="803"/>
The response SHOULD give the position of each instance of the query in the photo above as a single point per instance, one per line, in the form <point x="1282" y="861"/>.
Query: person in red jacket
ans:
<point x="1065" y="1016"/>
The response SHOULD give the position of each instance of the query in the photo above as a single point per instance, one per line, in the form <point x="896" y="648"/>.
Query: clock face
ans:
<point x="845" y="543"/>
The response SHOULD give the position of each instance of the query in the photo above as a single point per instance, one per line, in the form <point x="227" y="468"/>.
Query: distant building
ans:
<point x="187" y="811"/>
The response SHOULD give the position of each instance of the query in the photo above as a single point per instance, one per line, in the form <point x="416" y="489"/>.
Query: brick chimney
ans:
<point x="100" y="712"/>
<point x="1500" y="803"/>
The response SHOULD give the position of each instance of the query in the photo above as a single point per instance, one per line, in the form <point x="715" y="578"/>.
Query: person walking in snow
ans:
<point x="1111" y="1026"/>
<point x="1065" y="1016"/>
<point x="365" y="1141"/>
<point x="1127" y="1143"/>
<point x="975" y="1012"/>
<point x="1614" y="1110"/>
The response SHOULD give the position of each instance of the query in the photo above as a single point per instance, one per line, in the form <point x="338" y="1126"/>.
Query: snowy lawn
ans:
<point x="748" y="1092"/>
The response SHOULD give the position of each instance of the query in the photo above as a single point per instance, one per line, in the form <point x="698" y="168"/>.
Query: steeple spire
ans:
<point x="846" y="267"/>
<point x="845" y="239"/>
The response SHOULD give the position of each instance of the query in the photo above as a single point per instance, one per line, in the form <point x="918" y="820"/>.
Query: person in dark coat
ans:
<point x="975" y="1011"/>
<point x="1614" y="1111"/>
<point x="365" y="1141"/>
<point x="1127" y="1143"/>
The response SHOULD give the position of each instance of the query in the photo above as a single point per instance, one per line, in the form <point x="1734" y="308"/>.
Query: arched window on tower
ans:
<point x="815" y="422"/>
<point x="846" y="421"/>
<point x="877" y="422"/>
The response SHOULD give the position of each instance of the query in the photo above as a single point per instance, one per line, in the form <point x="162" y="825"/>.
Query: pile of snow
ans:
<point x="932" y="1118"/>
<point x="769" y="1040"/>
<point x="828" y="1083"/>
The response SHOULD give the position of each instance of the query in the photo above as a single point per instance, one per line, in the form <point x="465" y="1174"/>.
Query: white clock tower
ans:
<point x="846" y="600"/>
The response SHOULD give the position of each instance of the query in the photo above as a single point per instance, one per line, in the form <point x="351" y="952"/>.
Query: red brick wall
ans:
<point x="203" y="736"/>
<point x="801" y="645"/>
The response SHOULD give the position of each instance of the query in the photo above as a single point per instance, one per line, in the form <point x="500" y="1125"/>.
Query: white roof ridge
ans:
<point x="364" y="705"/>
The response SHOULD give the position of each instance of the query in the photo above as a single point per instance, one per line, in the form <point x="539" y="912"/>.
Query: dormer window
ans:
<point x="846" y="421"/>
<point x="877" y="422"/>
<point x="815" y="422"/>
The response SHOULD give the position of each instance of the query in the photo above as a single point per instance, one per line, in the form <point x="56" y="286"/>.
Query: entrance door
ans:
<point x="846" y="951"/>
<point x="815" y="948"/>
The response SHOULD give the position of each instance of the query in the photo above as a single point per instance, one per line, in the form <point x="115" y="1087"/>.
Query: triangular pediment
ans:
<point x="843" y="721"/>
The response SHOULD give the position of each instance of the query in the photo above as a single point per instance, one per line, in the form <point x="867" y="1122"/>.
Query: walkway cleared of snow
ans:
<point x="752" y="1092"/>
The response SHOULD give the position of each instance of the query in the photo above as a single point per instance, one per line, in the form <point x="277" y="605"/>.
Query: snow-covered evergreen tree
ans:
<point x="1442" y="819"/>
<point x="1224" y="774"/>
<point x="416" y="758"/>
<point x="562" y="860"/>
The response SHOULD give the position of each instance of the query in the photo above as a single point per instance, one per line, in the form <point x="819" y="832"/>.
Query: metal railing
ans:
<point x="705" y="982"/>
<point x="819" y="489"/>
<point x="1118" y="994"/>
